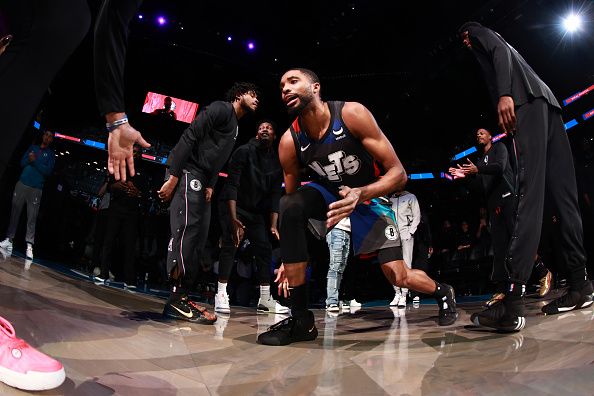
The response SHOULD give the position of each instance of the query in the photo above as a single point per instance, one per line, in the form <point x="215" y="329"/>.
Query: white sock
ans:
<point x="222" y="287"/>
<point x="396" y="290"/>
<point x="404" y="291"/>
<point x="265" y="292"/>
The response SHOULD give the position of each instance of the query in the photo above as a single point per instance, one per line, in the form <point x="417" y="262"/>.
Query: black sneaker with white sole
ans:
<point x="183" y="310"/>
<point x="506" y="316"/>
<point x="447" y="305"/>
<point x="571" y="300"/>
<point x="290" y="330"/>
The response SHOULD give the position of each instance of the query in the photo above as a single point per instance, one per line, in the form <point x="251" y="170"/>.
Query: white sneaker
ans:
<point x="402" y="301"/>
<point x="346" y="305"/>
<point x="6" y="245"/>
<point x="271" y="306"/>
<point x="222" y="303"/>
<point x="396" y="299"/>
<point x="29" y="253"/>
<point x="333" y="308"/>
<point x="416" y="301"/>
<point x="355" y="304"/>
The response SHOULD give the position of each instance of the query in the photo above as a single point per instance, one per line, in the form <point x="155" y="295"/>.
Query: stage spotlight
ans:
<point x="251" y="46"/>
<point x="140" y="16"/>
<point x="229" y="38"/>
<point x="572" y="23"/>
<point x="161" y="20"/>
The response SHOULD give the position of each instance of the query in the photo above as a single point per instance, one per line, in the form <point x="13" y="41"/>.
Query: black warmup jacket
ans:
<point x="496" y="174"/>
<point x="206" y="144"/>
<point x="505" y="70"/>
<point x="255" y="177"/>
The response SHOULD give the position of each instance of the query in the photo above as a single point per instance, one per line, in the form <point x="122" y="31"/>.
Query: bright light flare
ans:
<point x="572" y="23"/>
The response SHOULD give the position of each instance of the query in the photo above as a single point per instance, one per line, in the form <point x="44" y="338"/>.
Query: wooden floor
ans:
<point x="115" y="342"/>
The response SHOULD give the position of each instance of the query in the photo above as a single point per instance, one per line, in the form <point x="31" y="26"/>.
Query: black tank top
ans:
<point x="338" y="158"/>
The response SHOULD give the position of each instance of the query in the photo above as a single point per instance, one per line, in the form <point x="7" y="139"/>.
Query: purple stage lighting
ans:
<point x="251" y="46"/>
<point x="140" y="16"/>
<point x="161" y="20"/>
<point x="229" y="38"/>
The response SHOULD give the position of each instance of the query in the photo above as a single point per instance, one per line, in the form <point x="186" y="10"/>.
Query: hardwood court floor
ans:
<point x="115" y="342"/>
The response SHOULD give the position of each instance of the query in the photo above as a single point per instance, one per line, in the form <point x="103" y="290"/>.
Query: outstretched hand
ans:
<point x="458" y="172"/>
<point x="470" y="168"/>
<point x="120" y="150"/>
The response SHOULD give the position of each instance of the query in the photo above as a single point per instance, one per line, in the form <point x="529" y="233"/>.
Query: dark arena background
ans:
<point x="406" y="63"/>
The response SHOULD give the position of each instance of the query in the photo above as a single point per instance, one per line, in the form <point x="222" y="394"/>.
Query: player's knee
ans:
<point x="291" y="209"/>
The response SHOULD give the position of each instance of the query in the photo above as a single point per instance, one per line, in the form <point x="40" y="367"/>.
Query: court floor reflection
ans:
<point x="115" y="342"/>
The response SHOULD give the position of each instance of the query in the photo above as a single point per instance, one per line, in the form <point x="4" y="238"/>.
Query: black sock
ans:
<point x="176" y="294"/>
<point x="515" y="290"/>
<point x="440" y="291"/>
<point x="299" y="301"/>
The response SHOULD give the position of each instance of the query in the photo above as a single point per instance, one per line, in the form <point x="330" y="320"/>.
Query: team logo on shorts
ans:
<point x="196" y="185"/>
<point x="390" y="233"/>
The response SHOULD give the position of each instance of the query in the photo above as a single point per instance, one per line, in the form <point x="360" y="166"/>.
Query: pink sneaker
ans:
<point x="24" y="367"/>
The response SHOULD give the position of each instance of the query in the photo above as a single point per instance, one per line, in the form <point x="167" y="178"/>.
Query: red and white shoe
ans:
<point x="24" y="367"/>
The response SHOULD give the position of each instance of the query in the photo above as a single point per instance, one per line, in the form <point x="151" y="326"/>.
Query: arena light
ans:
<point x="464" y="153"/>
<point x="570" y="124"/>
<point x="419" y="176"/>
<point x="578" y="95"/>
<point x="161" y="20"/>
<point x="572" y="23"/>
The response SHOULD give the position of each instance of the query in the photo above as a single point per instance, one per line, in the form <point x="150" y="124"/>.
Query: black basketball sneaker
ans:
<point x="290" y="330"/>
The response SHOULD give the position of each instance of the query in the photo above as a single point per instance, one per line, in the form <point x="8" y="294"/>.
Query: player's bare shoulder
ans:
<point x="359" y="119"/>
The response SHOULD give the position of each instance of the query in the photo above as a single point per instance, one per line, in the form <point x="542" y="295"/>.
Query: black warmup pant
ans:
<point x="99" y="237"/>
<point x="501" y="217"/>
<point x="121" y="228"/>
<point x="544" y="159"/>
<point x="111" y="43"/>
<point x="45" y="33"/>
<point x="189" y="219"/>
<point x="257" y="233"/>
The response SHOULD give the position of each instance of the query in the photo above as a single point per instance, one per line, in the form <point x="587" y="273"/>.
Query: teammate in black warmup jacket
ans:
<point x="201" y="152"/>
<point x="339" y="143"/>
<point x="497" y="179"/>
<point x="528" y="110"/>
<point x="248" y="202"/>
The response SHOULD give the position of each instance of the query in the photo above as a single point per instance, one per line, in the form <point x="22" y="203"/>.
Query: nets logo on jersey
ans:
<point x="340" y="164"/>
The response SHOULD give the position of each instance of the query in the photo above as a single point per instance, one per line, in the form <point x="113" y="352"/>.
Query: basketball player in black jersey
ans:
<point x="340" y="144"/>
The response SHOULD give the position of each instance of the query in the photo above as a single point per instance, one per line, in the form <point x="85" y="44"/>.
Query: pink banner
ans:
<point x="184" y="110"/>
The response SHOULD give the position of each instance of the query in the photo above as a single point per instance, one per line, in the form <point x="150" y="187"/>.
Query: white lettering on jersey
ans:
<point x="339" y="165"/>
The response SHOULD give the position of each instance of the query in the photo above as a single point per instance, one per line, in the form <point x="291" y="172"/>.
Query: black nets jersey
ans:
<point x="338" y="158"/>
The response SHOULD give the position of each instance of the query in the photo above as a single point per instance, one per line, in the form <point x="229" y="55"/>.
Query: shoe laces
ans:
<point x="13" y="342"/>
<point x="196" y="306"/>
<point x="287" y="322"/>
<point x="7" y="328"/>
